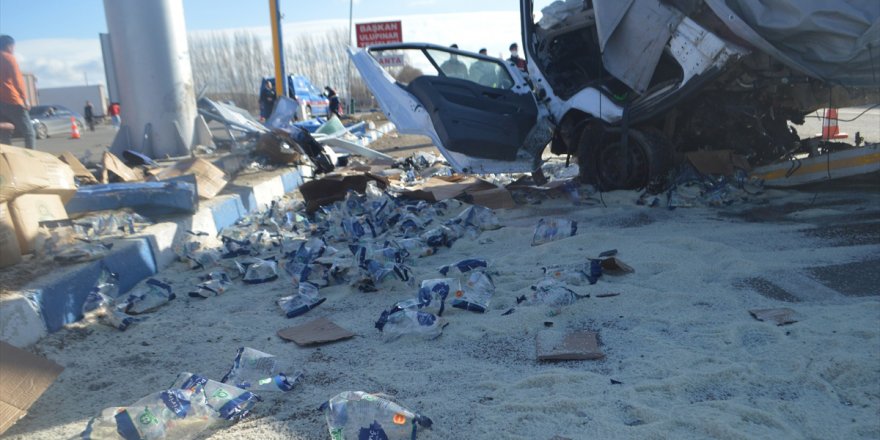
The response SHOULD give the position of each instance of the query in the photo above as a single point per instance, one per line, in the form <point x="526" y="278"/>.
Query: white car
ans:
<point x="624" y="85"/>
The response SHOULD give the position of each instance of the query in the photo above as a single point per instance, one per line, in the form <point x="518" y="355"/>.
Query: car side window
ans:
<point x="484" y="72"/>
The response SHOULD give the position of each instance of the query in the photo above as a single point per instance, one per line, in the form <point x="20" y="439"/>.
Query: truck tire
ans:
<point x="604" y="161"/>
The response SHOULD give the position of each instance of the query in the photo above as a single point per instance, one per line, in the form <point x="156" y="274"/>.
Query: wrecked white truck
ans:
<point x="624" y="85"/>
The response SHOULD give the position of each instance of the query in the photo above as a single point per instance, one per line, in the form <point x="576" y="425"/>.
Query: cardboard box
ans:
<point x="210" y="180"/>
<point x="30" y="171"/>
<point x="24" y="377"/>
<point x="10" y="253"/>
<point x="79" y="170"/>
<point x="28" y="211"/>
<point x="113" y="166"/>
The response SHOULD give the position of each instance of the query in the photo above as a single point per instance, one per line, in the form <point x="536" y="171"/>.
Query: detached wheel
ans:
<point x="607" y="163"/>
<point x="42" y="131"/>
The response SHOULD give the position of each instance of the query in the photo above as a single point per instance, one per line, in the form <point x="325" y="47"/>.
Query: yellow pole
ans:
<point x="277" y="49"/>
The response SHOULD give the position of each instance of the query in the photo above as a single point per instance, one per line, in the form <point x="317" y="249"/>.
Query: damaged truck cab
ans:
<point x="625" y="85"/>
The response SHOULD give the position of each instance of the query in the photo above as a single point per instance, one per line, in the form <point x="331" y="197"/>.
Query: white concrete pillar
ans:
<point x="154" y="76"/>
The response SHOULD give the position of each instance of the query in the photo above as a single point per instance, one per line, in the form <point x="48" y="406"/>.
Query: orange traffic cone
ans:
<point x="830" y="130"/>
<point x="74" y="129"/>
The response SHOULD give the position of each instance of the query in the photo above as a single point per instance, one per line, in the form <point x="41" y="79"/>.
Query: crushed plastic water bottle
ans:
<point x="305" y="299"/>
<point x="227" y="402"/>
<point x="257" y="271"/>
<point x="476" y="293"/>
<point x="397" y="322"/>
<point x="464" y="266"/>
<point x="119" y="320"/>
<point x="552" y="293"/>
<point x="553" y="229"/>
<point x="214" y="284"/>
<point x="146" y="298"/>
<point x="435" y="291"/>
<point x="255" y="370"/>
<point x="360" y="415"/>
<point x="182" y="412"/>
<point x="104" y="293"/>
<point x="479" y="217"/>
<point x="203" y="259"/>
<point x="413" y="246"/>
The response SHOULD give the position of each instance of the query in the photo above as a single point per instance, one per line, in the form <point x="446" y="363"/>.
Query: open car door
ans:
<point x="479" y="111"/>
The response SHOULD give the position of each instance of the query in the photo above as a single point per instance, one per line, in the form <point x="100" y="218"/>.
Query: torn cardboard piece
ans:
<point x="471" y="189"/>
<point x="210" y="180"/>
<point x="718" y="162"/>
<point x="113" y="166"/>
<point x="24" y="377"/>
<point x="332" y="188"/>
<point x="10" y="252"/>
<point x="780" y="316"/>
<point x="28" y="210"/>
<point x="561" y="345"/>
<point x="31" y="171"/>
<point x="318" y="331"/>
<point x="79" y="170"/>
<point x="613" y="266"/>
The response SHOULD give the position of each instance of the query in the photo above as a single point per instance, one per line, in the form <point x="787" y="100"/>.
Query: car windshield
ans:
<point x="437" y="62"/>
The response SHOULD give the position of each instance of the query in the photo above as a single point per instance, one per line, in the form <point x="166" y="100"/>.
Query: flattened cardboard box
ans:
<point x="10" y="253"/>
<point x="24" y="377"/>
<point x="79" y="170"/>
<point x="210" y="180"/>
<point x="116" y="167"/>
<point x="28" y="211"/>
<point x="30" y="171"/>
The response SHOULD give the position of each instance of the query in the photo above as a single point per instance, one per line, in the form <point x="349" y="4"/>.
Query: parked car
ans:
<point x="626" y="85"/>
<point x="312" y="102"/>
<point x="53" y="120"/>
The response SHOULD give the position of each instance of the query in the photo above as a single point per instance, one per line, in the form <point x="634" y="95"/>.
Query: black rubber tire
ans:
<point x="41" y="131"/>
<point x="603" y="163"/>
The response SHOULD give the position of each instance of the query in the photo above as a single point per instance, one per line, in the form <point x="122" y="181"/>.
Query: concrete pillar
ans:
<point x="154" y="76"/>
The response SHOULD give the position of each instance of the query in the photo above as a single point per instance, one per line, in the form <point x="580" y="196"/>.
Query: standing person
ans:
<point x="515" y="59"/>
<point x="483" y="72"/>
<point x="334" y="101"/>
<point x="114" y="112"/>
<point x="89" y="113"/>
<point x="13" y="100"/>
<point x="267" y="100"/>
<point x="453" y="67"/>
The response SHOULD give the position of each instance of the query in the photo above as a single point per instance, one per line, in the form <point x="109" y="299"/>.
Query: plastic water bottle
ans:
<point x="553" y="229"/>
<point x="360" y="415"/>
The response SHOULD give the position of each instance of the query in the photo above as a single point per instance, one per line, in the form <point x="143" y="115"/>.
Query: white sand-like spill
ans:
<point x="693" y="363"/>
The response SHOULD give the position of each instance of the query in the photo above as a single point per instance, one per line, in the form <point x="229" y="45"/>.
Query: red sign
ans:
<point x="369" y="34"/>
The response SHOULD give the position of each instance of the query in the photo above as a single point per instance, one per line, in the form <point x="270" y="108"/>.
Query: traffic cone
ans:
<point x="830" y="130"/>
<point x="74" y="129"/>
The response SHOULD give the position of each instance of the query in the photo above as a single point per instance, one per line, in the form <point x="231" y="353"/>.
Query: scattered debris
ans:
<point x="553" y="229"/>
<point x="25" y="378"/>
<point x="152" y="199"/>
<point x="560" y="345"/>
<point x="397" y="322"/>
<point x="193" y="405"/>
<point x="315" y="332"/>
<point x="356" y="414"/>
<point x="254" y="370"/>
<point x="780" y="316"/>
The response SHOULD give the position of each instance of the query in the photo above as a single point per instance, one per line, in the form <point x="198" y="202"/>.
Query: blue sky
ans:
<point x="58" y="40"/>
<point x="41" y="19"/>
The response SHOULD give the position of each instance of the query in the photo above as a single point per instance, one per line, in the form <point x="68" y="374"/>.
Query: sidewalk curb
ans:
<point x="46" y="304"/>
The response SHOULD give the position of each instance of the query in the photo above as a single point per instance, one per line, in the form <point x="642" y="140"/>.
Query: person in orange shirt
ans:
<point x="13" y="102"/>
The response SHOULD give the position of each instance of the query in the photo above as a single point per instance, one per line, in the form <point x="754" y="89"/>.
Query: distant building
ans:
<point x="30" y="88"/>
